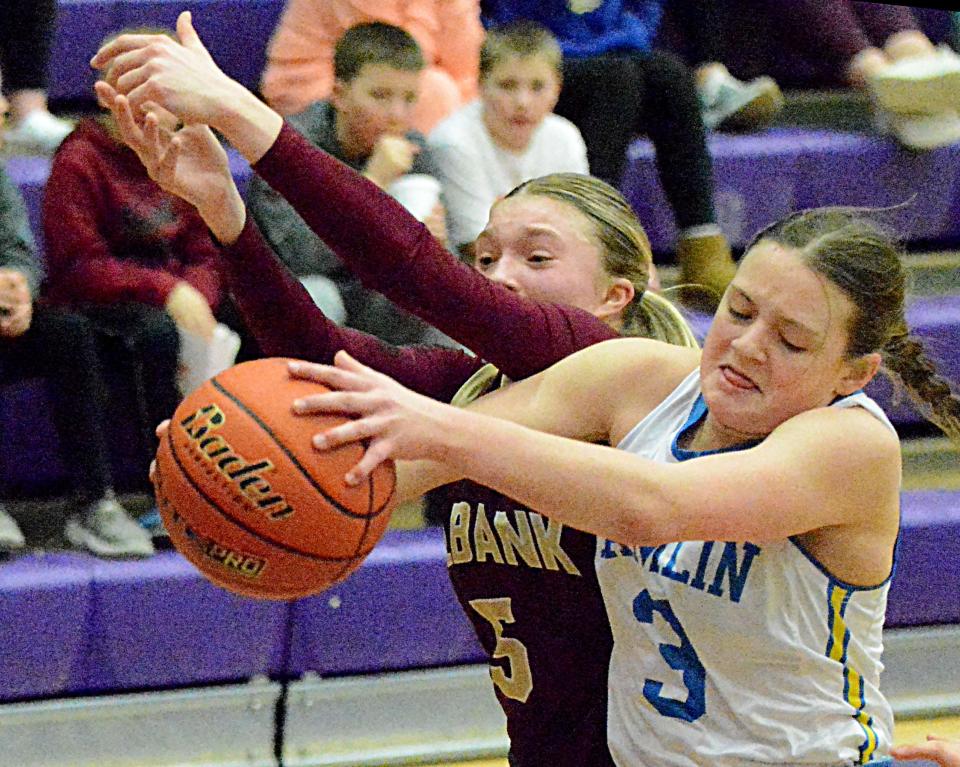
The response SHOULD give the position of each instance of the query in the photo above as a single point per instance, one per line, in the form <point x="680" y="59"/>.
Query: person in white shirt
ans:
<point x="510" y="134"/>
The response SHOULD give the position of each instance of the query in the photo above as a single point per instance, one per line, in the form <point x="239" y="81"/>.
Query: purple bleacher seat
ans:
<point x="754" y="181"/>
<point x="158" y="622"/>
<point x="44" y="605"/>
<point x="235" y="31"/>
<point x="81" y="26"/>
<point x="926" y="585"/>
<point x="761" y="176"/>
<point x="398" y="611"/>
<point x="936" y="320"/>
<point x="30" y="175"/>
<point x="75" y="624"/>
<point x="874" y="171"/>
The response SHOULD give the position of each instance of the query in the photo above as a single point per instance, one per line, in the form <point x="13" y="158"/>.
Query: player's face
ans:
<point x="543" y="249"/>
<point x="776" y="346"/>
<point x="517" y="94"/>
<point x="379" y="100"/>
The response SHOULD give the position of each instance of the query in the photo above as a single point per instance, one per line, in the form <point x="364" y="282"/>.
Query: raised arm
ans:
<point x="373" y="234"/>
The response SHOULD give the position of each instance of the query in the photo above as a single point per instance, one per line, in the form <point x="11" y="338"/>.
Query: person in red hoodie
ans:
<point x="138" y="261"/>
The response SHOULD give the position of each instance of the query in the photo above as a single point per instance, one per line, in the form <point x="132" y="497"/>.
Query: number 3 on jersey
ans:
<point x="683" y="658"/>
<point x="517" y="681"/>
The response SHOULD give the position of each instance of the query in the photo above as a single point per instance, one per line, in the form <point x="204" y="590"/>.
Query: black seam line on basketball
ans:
<point x="243" y="526"/>
<point x="293" y="459"/>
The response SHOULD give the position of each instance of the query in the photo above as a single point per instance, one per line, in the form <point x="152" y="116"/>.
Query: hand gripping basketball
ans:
<point x="249" y="501"/>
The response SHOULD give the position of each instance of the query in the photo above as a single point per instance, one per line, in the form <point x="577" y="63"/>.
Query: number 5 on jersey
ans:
<point x="515" y="682"/>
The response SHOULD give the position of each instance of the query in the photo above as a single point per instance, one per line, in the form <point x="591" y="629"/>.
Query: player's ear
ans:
<point x="858" y="372"/>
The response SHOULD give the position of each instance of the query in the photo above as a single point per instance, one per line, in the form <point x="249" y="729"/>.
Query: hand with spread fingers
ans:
<point x="181" y="76"/>
<point x="398" y="423"/>
<point x="189" y="163"/>
<point x="156" y="68"/>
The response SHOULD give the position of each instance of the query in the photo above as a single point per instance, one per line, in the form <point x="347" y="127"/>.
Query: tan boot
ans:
<point x="706" y="268"/>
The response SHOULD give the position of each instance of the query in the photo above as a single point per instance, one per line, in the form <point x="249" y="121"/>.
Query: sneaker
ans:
<point x="38" y="133"/>
<point x="927" y="83"/>
<point x="106" y="529"/>
<point x="729" y="103"/>
<point x="153" y="524"/>
<point x="11" y="538"/>
<point x="920" y="131"/>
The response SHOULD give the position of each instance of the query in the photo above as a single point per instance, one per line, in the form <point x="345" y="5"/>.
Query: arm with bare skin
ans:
<point x="530" y="441"/>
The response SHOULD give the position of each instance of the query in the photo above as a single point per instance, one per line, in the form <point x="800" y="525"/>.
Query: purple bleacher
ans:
<point x="30" y="175"/>
<point x="158" y="623"/>
<point x="75" y="624"/>
<point x="398" y="611"/>
<point x="926" y="587"/>
<point x="761" y="176"/>
<point x="936" y="320"/>
<point x="81" y="26"/>
<point x="44" y="605"/>
<point x="30" y="461"/>
<point x="235" y="31"/>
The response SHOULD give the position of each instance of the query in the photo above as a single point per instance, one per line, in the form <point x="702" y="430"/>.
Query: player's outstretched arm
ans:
<point x="944" y="752"/>
<point x="822" y="468"/>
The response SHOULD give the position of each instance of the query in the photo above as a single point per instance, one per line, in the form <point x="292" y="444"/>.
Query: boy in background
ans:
<point x="510" y="134"/>
<point x="366" y="123"/>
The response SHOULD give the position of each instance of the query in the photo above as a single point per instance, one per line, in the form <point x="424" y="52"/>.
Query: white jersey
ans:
<point x="734" y="654"/>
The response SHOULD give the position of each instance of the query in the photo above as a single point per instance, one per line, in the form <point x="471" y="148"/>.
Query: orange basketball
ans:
<point x="248" y="500"/>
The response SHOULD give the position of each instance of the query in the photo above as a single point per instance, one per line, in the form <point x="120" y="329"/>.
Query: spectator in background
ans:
<point x="300" y="71"/>
<point x="615" y="87"/>
<point x="728" y="103"/>
<point x="27" y="29"/>
<point x="59" y="346"/>
<point x="366" y="123"/>
<point x="874" y="46"/>
<point x="508" y="136"/>
<point x="138" y="262"/>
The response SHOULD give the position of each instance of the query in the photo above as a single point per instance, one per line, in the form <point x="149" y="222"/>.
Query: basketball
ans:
<point x="250" y="502"/>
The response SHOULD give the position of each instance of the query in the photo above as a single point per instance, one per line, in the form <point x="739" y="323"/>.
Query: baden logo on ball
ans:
<point x="249" y="501"/>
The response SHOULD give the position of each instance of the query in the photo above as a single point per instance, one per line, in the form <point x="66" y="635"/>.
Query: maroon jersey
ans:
<point x="527" y="583"/>
<point x="112" y="234"/>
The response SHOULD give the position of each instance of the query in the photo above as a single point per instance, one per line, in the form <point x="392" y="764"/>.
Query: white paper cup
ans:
<point x="417" y="192"/>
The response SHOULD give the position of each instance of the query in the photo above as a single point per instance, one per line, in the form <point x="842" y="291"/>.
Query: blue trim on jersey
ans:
<point x="697" y="413"/>
<point x="834" y="580"/>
